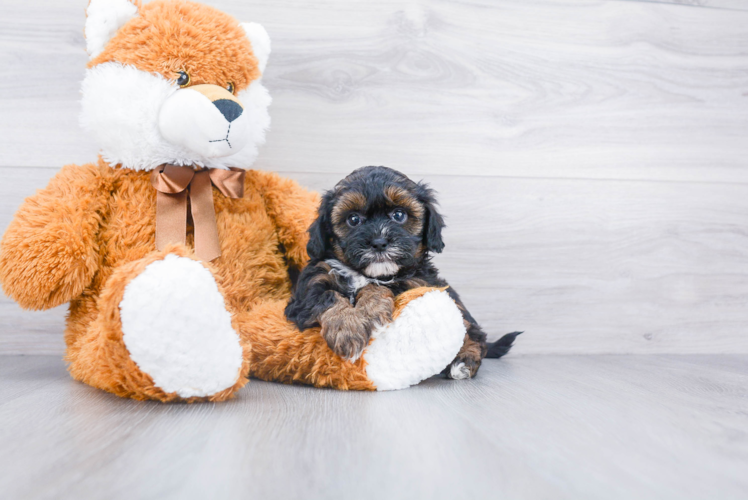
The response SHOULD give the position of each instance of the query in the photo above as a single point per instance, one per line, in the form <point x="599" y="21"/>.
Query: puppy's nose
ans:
<point x="379" y="244"/>
<point x="229" y="109"/>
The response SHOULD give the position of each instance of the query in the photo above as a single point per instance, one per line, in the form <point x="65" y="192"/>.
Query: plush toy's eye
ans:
<point x="354" y="220"/>
<point x="399" y="215"/>
<point x="184" y="79"/>
<point x="230" y="87"/>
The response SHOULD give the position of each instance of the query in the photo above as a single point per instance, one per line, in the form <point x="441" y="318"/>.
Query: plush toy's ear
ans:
<point x="320" y="239"/>
<point x="103" y="19"/>
<point x="432" y="230"/>
<point x="260" y="42"/>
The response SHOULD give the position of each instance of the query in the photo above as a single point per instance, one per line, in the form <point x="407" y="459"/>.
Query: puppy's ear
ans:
<point x="320" y="235"/>
<point x="434" y="222"/>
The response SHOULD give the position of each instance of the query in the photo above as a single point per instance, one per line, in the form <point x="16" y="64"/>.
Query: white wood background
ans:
<point x="591" y="156"/>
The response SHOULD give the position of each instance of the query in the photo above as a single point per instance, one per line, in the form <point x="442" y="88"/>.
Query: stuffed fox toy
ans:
<point x="174" y="257"/>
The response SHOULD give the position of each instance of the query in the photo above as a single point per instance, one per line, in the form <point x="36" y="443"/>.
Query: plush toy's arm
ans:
<point x="49" y="253"/>
<point x="292" y="209"/>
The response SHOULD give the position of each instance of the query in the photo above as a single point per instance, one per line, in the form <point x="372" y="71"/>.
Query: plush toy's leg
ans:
<point x="163" y="332"/>
<point x="425" y="336"/>
<point x="281" y="353"/>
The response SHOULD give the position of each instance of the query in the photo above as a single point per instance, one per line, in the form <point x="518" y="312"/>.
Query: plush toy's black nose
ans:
<point x="379" y="244"/>
<point x="229" y="109"/>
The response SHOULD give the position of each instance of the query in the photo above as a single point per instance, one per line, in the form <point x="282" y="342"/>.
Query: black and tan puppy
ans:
<point x="371" y="242"/>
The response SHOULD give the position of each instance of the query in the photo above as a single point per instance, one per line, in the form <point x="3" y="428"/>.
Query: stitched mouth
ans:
<point x="225" y="138"/>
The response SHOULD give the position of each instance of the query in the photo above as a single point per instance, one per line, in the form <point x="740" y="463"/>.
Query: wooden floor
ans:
<point x="637" y="426"/>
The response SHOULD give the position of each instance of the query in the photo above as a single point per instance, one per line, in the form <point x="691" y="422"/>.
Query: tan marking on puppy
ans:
<point x="168" y="37"/>
<point x="322" y="278"/>
<point x="345" y="330"/>
<point x="471" y="354"/>
<point x="352" y="201"/>
<point x="414" y="226"/>
<point x="400" y="197"/>
<point x="375" y="304"/>
<point x="324" y="266"/>
<point x="339" y="254"/>
<point x="415" y="283"/>
<point x="419" y="251"/>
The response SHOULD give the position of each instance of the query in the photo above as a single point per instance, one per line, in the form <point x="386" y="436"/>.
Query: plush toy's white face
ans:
<point x="174" y="82"/>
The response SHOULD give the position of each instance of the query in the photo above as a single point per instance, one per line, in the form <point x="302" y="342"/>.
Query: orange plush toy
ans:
<point x="174" y="258"/>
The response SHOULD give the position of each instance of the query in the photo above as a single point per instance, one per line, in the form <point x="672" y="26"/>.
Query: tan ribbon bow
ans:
<point x="173" y="183"/>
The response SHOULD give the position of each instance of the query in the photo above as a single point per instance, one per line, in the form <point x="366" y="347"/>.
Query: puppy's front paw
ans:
<point x="376" y="303"/>
<point x="345" y="332"/>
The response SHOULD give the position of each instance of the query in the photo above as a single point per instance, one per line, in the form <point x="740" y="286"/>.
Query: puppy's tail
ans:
<point x="500" y="347"/>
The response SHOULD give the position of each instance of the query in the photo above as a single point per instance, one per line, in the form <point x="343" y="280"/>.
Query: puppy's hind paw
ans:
<point x="458" y="371"/>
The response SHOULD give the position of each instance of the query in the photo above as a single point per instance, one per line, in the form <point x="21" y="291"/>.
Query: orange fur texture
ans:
<point x="171" y="36"/>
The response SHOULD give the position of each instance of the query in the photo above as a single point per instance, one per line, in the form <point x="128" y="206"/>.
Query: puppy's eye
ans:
<point x="230" y="87"/>
<point x="184" y="79"/>
<point x="399" y="216"/>
<point x="354" y="220"/>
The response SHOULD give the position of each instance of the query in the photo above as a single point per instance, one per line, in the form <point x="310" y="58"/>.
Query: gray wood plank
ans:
<point x="584" y="266"/>
<point x="574" y="427"/>
<point x="589" y="89"/>
<point x="703" y="4"/>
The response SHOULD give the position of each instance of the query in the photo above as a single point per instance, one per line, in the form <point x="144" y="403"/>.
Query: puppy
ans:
<point x="372" y="241"/>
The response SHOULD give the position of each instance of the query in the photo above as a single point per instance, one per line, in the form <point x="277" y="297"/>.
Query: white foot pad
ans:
<point x="177" y="329"/>
<point x="459" y="372"/>
<point x="423" y="340"/>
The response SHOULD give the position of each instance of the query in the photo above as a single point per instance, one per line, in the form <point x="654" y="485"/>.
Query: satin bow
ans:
<point x="173" y="183"/>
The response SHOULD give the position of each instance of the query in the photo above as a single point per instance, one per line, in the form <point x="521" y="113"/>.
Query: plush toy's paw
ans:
<point x="421" y="341"/>
<point x="177" y="330"/>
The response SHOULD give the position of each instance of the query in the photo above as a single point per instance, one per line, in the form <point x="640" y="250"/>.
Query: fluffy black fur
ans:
<point x="359" y="228"/>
